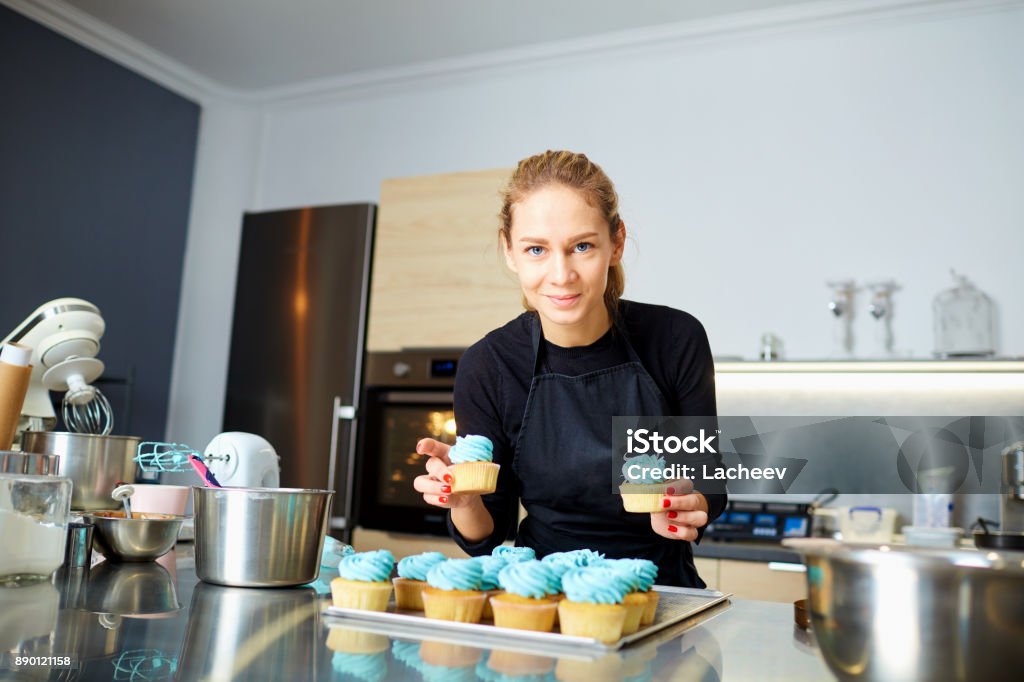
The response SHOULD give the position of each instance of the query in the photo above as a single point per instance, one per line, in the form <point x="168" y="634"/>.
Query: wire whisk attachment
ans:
<point x="154" y="456"/>
<point x="93" y="416"/>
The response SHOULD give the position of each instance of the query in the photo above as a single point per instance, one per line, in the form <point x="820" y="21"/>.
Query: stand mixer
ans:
<point x="64" y="335"/>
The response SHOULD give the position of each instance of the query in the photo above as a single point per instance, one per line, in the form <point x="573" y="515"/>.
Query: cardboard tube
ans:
<point x="15" y="373"/>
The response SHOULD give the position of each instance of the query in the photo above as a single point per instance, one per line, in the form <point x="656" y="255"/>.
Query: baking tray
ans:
<point x="675" y="604"/>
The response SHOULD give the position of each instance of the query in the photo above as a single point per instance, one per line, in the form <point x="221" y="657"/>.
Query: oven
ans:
<point x="408" y="396"/>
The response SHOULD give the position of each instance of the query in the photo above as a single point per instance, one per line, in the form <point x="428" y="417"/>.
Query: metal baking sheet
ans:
<point x="675" y="605"/>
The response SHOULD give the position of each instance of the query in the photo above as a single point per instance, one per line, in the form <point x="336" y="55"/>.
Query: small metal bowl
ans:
<point x="144" y="537"/>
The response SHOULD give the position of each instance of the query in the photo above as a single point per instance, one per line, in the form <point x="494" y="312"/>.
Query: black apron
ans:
<point x="563" y="460"/>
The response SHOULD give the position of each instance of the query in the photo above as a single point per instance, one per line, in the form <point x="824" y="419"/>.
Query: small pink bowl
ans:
<point x="162" y="499"/>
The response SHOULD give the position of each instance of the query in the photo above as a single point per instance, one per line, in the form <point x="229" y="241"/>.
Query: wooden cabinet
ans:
<point x="439" y="278"/>
<point x="754" y="579"/>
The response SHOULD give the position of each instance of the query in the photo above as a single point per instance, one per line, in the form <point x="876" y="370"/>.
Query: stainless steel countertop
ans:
<point x="159" y="623"/>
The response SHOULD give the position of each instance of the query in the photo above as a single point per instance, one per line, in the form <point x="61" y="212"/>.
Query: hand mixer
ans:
<point x="153" y="456"/>
<point x="64" y="335"/>
<point x="238" y="459"/>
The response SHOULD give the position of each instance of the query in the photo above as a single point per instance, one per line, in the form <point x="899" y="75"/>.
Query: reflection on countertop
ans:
<point x="150" y="622"/>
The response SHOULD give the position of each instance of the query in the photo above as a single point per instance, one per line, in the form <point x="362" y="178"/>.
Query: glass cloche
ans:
<point x="964" y="319"/>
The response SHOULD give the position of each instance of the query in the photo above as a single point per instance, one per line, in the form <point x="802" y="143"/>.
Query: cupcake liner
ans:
<point x="409" y="594"/>
<point x="651" y="609"/>
<point x="463" y="606"/>
<point x="642" y="499"/>
<point x="488" y="611"/>
<point x="523" y="613"/>
<point x="358" y="594"/>
<point x="635" y="603"/>
<point x="474" y="477"/>
<point x="602" y="622"/>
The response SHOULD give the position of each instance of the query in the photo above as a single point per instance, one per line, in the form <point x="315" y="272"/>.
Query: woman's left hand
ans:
<point x="684" y="514"/>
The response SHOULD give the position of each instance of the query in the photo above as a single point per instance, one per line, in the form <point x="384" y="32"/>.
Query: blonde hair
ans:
<point x="575" y="171"/>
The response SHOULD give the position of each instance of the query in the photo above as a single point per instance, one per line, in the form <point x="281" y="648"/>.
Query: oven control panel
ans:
<point x="425" y="368"/>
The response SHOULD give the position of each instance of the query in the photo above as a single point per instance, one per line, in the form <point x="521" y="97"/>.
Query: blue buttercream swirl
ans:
<point x="594" y="584"/>
<point x="533" y="579"/>
<point x="641" y="572"/>
<point x="490" y="565"/>
<point x="456" y="574"/>
<point x="367" y="566"/>
<point x="471" y="449"/>
<point x="638" y="469"/>
<point x="513" y="554"/>
<point x="574" y="558"/>
<point x="368" y="667"/>
<point x="415" y="567"/>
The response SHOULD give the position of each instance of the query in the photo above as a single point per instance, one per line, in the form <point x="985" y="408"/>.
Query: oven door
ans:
<point x="387" y="464"/>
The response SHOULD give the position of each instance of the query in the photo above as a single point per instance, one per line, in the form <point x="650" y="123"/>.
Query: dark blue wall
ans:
<point x="95" y="181"/>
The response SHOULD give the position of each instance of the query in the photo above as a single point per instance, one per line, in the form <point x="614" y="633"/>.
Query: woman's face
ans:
<point x="561" y="249"/>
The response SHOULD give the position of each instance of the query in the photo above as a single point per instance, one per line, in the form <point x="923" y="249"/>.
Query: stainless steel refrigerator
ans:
<point x="297" y="342"/>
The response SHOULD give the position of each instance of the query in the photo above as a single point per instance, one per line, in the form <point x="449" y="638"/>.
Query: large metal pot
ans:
<point x="893" y="613"/>
<point x="93" y="463"/>
<point x="260" y="537"/>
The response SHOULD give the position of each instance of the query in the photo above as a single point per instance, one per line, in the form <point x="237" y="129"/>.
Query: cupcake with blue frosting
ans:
<point x="644" y="573"/>
<point x="412" y="578"/>
<point x="453" y="591"/>
<point x="491" y="565"/>
<point x="635" y="576"/>
<point x="643" y="486"/>
<point x="472" y="466"/>
<point x="530" y="600"/>
<point x="364" y="581"/>
<point x="593" y="603"/>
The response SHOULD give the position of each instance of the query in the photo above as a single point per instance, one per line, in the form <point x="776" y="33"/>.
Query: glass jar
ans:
<point x="963" y="321"/>
<point x="34" y="514"/>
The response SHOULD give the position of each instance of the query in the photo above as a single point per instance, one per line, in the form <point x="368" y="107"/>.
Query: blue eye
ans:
<point x="583" y="247"/>
<point x="535" y="250"/>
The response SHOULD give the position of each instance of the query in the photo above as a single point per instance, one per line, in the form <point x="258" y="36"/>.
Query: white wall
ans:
<point x="752" y="167"/>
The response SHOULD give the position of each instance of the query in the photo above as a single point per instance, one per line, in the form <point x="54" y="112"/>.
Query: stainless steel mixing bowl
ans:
<point x="894" y="613"/>
<point x="28" y="463"/>
<point x="260" y="537"/>
<point x="144" y="537"/>
<point x="93" y="463"/>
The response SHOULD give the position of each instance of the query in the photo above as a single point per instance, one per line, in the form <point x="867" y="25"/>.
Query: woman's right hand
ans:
<point x="436" y="484"/>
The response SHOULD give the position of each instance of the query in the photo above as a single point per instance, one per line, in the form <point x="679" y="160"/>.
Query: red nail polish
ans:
<point x="447" y="478"/>
<point x="446" y="488"/>
<point x="443" y="499"/>
<point x="673" y="529"/>
<point x="666" y="503"/>
<point x="670" y="491"/>
<point x="671" y="515"/>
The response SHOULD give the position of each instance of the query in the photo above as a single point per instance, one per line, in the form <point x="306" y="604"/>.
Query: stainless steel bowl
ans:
<point x="94" y="463"/>
<point x="260" y="537"/>
<point x="893" y="613"/>
<point x="28" y="463"/>
<point x="143" y="537"/>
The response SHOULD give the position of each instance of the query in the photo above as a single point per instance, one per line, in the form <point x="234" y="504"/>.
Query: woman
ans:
<point x="544" y="387"/>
